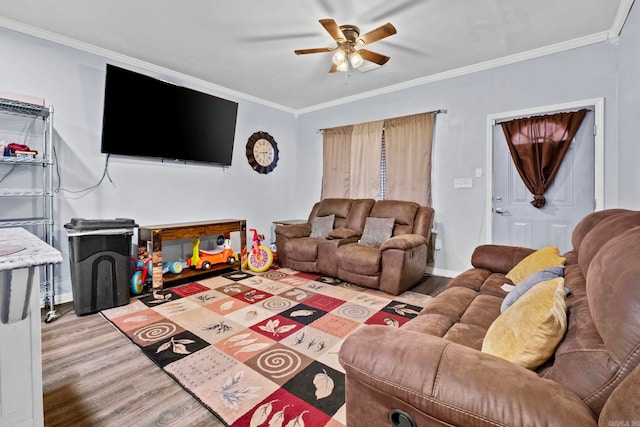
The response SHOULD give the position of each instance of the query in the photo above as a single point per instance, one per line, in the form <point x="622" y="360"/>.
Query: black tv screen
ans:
<point x="144" y="116"/>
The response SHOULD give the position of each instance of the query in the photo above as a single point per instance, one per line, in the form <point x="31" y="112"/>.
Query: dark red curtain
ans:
<point x="538" y="145"/>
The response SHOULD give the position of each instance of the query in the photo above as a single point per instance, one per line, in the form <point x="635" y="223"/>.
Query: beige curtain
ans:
<point x="336" y="163"/>
<point x="366" y="149"/>
<point x="408" y="142"/>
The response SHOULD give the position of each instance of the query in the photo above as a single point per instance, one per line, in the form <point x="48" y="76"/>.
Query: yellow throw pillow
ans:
<point x="539" y="260"/>
<point x="528" y="332"/>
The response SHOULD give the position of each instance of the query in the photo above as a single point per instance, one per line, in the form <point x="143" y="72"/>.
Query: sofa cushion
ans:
<point x="322" y="225"/>
<point x="623" y="404"/>
<point x="528" y="332"/>
<point x="595" y="341"/>
<point x="539" y="260"/>
<point x="600" y="234"/>
<point x="498" y="258"/>
<point x="377" y="231"/>
<point x="359" y="212"/>
<point x="588" y="222"/>
<point x="404" y="213"/>
<point x="530" y="282"/>
<point x="303" y="248"/>
<point x="359" y="259"/>
<point x="458" y="314"/>
<point x="341" y="208"/>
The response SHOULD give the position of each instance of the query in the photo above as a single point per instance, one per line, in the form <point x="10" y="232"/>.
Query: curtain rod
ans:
<point x="508" y="119"/>
<point x="438" y="111"/>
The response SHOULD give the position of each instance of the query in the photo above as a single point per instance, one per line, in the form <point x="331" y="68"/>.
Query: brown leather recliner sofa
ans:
<point x="297" y="249"/>
<point x="393" y="267"/>
<point x="432" y="370"/>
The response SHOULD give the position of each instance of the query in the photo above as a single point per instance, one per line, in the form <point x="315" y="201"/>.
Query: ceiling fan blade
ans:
<point x="315" y="50"/>
<point x="374" y="57"/>
<point x="333" y="68"/>
<point x="333" y="29"/>
<point x="376" y="34"/>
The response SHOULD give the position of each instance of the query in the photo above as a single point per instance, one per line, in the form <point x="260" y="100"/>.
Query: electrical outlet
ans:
<point x="462" y="182"/>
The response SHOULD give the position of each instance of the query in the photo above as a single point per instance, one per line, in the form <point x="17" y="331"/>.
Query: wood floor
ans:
<point x="93" y="376"/>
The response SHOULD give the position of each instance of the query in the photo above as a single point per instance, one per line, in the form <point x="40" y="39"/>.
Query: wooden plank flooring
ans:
<point x="94" y="376"/>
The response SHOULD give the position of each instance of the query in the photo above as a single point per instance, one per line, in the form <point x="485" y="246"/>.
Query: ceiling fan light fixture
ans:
<point x="355" y="59"/>
<point x="339" y="57"/>
<point x="348" y="39"/>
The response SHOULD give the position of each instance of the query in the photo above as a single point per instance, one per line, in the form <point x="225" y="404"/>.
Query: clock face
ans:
<point x="262" y="152"/>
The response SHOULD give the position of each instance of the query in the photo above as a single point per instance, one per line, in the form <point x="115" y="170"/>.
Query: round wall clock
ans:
<point x="262" y="152"/>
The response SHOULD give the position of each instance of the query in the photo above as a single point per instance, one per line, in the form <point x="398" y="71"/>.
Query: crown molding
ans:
<point x="621" y="18"/>
<point x="124" y="59"/>
<point x="604" y="36"/>
<point x="457" y="72"/>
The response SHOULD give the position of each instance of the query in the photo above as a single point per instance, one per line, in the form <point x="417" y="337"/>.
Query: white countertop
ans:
<point x="25" y="250"/>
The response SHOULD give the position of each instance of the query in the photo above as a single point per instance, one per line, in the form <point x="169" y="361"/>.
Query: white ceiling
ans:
<point x="247" y="45"/>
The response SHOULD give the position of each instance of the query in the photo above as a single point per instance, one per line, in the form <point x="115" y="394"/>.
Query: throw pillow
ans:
<point x="377" y="230"/>
<point x="529" y="331"/>
<point x="539" y="260"/>
<point x="530" y="282"/>
<point x="322" y="225"/>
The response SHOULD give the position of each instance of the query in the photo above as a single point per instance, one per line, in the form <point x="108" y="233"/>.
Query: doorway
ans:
<point x="576" y="191"/>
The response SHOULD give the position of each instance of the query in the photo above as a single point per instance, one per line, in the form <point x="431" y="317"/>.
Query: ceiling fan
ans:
<point x="348" y="51"/>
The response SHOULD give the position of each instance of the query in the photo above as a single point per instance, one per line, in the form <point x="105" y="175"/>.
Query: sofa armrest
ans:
<point x="291" y="231"/>
<point x="344" y="233"/>
<point x="404" y="242"/>
<point x="498" y="258"/>
<point x="431" y="378"/>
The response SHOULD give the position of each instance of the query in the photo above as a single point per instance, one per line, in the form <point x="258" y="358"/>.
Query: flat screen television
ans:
<point x="147" y="117"/>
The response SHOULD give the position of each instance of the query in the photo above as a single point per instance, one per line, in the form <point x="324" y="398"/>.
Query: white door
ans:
<point x="571" y="196"/>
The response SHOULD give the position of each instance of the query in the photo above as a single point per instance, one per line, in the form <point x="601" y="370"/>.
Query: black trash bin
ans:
<point x="101" y="267"/>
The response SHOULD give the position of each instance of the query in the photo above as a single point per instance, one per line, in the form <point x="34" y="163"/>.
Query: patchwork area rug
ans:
<point x="261" y="349"/>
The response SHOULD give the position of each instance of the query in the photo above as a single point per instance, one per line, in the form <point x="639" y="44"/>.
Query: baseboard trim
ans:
<point x="59" y="299"/>
<point x="441" y="272"/>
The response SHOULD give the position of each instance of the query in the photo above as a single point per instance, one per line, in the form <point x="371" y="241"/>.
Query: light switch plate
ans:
<point x="462" y="182"/>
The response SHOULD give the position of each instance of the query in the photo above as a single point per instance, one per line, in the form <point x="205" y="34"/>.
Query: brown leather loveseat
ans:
<point x="432" y="370"/>
<point x="355" y="248"/>
<point x="300" y="250"/>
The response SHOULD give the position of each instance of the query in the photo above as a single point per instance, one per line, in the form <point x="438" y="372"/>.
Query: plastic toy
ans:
<point x="174" y="267"/>
<point x="202" y="259"/>
<point x="260" y="257"/>
<point x="141" y="271"/>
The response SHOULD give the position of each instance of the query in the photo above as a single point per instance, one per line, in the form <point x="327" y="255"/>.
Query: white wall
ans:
<point x="627" y="168"/>
<point x="148" y="191"/>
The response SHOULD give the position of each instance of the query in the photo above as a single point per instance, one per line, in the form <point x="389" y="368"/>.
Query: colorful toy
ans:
<point x="174" y="267"/>
<point x="141" y="271"/>
<point x="260" y="257"/>
<point x="202" y="259"/>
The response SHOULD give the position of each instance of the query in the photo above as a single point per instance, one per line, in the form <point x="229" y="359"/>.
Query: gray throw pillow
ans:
<point x="322" y="225"/>
<point x="529" y="282"/>
<point x="377" y="230"/>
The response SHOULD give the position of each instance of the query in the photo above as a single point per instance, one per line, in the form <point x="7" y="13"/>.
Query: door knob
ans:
<point x="501" y="211"/>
